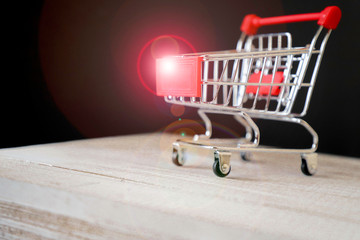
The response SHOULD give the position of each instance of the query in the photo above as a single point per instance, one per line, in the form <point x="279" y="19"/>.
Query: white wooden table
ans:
<point x="127" y="188"/>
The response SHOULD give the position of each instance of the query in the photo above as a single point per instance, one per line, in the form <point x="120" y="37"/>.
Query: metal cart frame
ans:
<point x="261" y="78"/>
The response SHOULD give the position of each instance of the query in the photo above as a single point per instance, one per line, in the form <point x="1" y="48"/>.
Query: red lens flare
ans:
<point x="166" y="47"/>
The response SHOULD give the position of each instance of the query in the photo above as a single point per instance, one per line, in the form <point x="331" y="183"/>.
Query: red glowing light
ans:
<point x="178" y="76"/>
<point x="168" y="66"/>
<point x="148" y="44"/>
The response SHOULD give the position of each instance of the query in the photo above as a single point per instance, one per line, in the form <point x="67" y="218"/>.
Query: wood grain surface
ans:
<point x="127" y="188"/>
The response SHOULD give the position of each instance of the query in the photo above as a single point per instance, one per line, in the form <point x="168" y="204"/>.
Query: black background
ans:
<point x="33" y="111"/>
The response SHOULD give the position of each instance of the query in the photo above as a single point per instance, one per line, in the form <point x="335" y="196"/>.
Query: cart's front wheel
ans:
<point x="221" y="166"/>
<point x="218" y="172"/>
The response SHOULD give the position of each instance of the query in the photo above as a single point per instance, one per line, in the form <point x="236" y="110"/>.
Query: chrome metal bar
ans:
<point x="269" y="43"/>
<point x="279" y="42"/>
<point x="210" y="82"/>
<point x="205" y="78"/>
<point x="315" y="72"/>
<point x="215" y="87"/>
<point x="304" y="67"/>
<point x="224" y="78"/>
<point x="260" y="81"/>
<point x="240" y="115"/>
<point x="208" y="126"/>
<point x="272" y="83"/>
<point x="216" y="93"/>
<point x="253" y="147"/>
<point x="287" y="78"/>
<point x="295" y="81"/>
<point x="246" y="79"/>
<point x="248" y="129"/>
<point x="240" y="42"/>
<point x="230" y="108"/>
<point x="233" y="80"/>
<point x="257" y="54"/>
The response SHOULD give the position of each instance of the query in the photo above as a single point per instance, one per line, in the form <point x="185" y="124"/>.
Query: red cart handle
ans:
<point x="328" y="18"/>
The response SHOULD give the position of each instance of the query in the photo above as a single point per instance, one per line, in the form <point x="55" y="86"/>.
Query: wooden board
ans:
<point x="127" y="188"/>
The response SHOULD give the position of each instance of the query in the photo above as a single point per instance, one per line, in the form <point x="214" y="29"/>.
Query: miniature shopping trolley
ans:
<point x="262" y="78"/>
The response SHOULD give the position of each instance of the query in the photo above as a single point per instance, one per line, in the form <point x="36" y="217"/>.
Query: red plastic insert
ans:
<point x="178" y="76"/>
<point x="265" y="90"/>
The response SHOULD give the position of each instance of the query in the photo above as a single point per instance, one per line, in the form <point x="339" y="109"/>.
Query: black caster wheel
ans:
<point x="309" y="163"/>
<point x="217" y="170"/>
<point x="245" y="156"/>
<point x="176" y="158"/>
<point x="304" y="168"/>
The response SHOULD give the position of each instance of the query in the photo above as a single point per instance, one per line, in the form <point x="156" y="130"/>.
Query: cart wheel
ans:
<point x="217" y="171"/>
<point x="177" y="158"/>
<point x="245" y="156"/>
<point x="224" y="169"/>
<point x="309" y="164"/>
<point x="304" y="168"/>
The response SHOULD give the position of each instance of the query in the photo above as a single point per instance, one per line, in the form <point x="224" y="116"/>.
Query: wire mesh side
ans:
<point x="228" y="76"/>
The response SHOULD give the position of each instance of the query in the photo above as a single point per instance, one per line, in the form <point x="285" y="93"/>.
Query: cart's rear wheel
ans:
<point x="177" y="158"/>
<point x="245" y="156"/>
